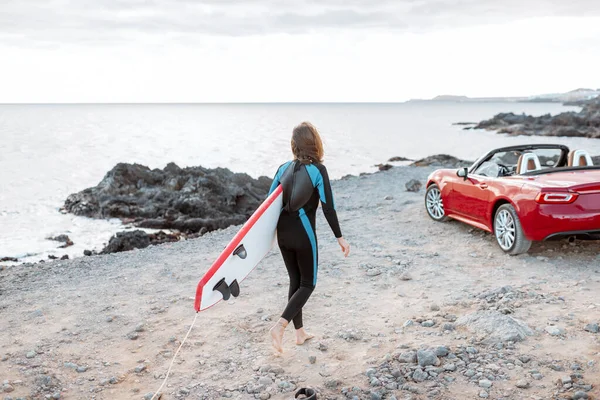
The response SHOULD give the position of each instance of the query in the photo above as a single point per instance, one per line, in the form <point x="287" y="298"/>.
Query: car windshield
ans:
<point x="505" y="163"/>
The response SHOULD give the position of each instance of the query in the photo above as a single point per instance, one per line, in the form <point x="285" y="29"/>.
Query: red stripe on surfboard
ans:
<point x="235" y="242"/>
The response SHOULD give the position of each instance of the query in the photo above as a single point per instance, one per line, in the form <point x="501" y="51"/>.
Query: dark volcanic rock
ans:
<point x="129" y="240"/>
<point x="11" y="259"/>
<point x="187" y="199"/>
<point x="63" y="239"/>
<point x="413" y="185"/>
<point x="396" y="159"/>
<point x="585" y="123"/>
<point x="384" y="167"/>
<point x="441" y="160"/>
<point x="125" y="241"/>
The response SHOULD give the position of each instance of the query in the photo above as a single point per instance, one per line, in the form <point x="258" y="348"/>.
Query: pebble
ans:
<point x="448" y="327"/>
<point x="450" y="367"/>
<point x="7" y="388"/>
<point x="485" y="383"/>
<point x="373" y="272"/>
<point x="265" y="380"/>
<point x="408" y="357"/>
<point x="524" y="358"/>
<point x="332" y="384"/>
<point x="140" y="328"/>
<point x="322" y="346"/>
<point x="523" y="384"/>
<point x="408" y="323"/>
<point x="580" y="395"/>
<point x="406" y="277"/>
<point x="434" y="307"/>
<point x="31" y="354"/>
<point x="537" y="376"/>
<point x="428" y="324"/>
<point x="109" y="319"/>
<point x="133" y="336"/>
<point x="483" y="394"/>
<point x="5" y="357"/>
<point x="265" y="396"/>
<point x="81" y="369"/>
<point x="184" y="391"/>
<point x="284" y="385"/>
<point x="594" y="328"/>
<point x="312" y="359"/>
<point x="555" y="330"/>
<point x="419" y="375"/>
<point x="441" y="351"/>
<point x="148" y="396"/>
<point x="140" y="368"/>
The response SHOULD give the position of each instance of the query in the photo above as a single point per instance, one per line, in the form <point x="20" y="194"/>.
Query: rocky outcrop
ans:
<point x="138" y="239"/>
<point x="585" y="123"/>
<point x="193" y="199"/>
<point x="442" y="161"/>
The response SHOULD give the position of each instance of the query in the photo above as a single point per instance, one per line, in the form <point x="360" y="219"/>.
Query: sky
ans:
<point x="64" y="51"/>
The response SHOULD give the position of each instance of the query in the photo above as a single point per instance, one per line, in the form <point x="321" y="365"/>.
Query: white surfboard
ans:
<point x="242" y="254"/>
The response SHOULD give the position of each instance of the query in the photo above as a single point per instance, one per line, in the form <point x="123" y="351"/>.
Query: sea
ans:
<point x="50" y="151"/>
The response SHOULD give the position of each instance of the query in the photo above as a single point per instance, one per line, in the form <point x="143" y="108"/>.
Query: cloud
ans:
<point x="64" y="22"/>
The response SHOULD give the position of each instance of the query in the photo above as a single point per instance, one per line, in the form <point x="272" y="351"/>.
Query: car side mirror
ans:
<point x="463" y="173"/>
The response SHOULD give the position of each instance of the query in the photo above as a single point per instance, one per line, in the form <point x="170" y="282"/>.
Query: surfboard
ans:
<point x="243" y="253"/>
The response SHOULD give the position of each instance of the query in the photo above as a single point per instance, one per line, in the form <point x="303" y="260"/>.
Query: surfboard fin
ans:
<point x="223" y="287"/>
<point x="234" y="288"/>
<point x="240" y="252"/>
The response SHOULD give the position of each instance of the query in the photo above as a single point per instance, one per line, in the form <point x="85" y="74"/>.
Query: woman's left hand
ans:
<point x="345" y="246"/>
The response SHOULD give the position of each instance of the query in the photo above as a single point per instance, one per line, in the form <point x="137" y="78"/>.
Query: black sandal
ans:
<point x="308" y="393"/>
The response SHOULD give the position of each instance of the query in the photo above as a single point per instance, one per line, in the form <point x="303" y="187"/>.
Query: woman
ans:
<point x="296" y="233"/>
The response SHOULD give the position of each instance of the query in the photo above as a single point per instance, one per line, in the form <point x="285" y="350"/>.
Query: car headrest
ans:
<point x="579" y="158"/>
<point x="528" y="162"/>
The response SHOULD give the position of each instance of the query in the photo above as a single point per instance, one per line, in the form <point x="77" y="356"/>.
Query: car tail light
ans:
<point x="556" y="198"/>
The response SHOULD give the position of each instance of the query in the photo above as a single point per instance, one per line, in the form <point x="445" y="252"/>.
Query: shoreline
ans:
<point x="125" y="226"/>
<point x="438" y="161"/>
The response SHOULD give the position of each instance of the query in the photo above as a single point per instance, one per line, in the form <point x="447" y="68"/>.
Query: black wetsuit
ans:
<point x="297" y="239"/>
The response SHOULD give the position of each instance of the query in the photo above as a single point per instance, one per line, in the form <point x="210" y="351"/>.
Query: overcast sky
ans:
<point x="296" y="50"/>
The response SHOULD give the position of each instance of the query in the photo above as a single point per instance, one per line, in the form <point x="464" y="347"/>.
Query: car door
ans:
<point x="471" y="197"/>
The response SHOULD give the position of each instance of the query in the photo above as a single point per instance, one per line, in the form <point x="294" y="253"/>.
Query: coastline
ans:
<point x="109" y="324"/>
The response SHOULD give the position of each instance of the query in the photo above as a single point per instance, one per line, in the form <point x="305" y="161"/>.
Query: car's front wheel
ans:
<point x="434" y="203"/>
<point x="508" y="231"/>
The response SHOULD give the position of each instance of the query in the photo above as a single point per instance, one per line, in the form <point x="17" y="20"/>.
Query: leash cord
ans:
<point x="173" y="360"/>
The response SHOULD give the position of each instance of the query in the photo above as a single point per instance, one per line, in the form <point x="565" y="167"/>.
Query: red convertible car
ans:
<point x="521" y="194"/>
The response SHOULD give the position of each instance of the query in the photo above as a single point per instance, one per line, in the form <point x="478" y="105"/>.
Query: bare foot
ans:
<point x="302" y="336"/>
<point x="277" y="334"/>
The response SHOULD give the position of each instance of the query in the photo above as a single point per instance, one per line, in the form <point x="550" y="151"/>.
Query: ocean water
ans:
<point x="50" y="151"/>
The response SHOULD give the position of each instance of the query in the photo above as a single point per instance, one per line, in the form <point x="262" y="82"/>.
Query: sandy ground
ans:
<point x="106" y="327"/>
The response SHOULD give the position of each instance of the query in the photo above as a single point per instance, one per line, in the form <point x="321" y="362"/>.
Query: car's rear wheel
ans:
<point x="508" y="231"/>
<point x="434" y="203"/>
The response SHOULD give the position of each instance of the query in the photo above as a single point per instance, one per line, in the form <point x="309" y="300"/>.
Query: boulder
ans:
<point x="189" y="199"/>
<point x="495" y="326"/>
<point x="441" y="160"/>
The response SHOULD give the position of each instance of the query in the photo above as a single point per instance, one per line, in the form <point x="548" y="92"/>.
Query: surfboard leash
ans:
<point x="157" y="393"/>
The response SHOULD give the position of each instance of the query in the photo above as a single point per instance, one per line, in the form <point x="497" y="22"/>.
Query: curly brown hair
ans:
<point x="306" y="143"/>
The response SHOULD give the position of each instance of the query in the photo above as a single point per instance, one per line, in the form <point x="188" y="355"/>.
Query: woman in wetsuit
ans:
<point x="296" y="233"/>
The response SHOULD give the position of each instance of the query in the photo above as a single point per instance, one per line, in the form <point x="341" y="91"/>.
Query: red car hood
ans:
<point x="582" y="180"/>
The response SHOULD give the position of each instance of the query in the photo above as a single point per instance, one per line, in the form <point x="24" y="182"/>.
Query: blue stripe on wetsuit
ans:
<point x="313" y="241"/>
<point x="317" y="180"/>
<point x="278" y="175"/>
